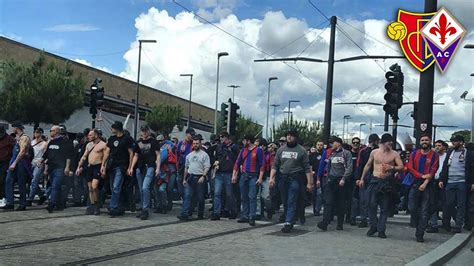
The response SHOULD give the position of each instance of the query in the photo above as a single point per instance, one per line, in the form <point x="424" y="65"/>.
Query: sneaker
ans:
<point x="200" y="217"/>
<point x="7" y="208"/>
<point x="76" y="204"/>
<point x="456" y="230"/>
<point x="215" y="217"/>
<point x="145" y="215"/>
<point x="232" y="216"/>
<point x="50" y="209"/>
<point x="447" y="227"/>
<point x="353" y="222"/>
<point x="183" y="217"/>
<point x="42" y="200"/>
<point x="113" y="213"/>
<point x="286" y="228"/>
<point x="252" y="222"/>
<point x="20" y="208"/>
<point x="419" y="239"/>
<point x="372" y="231"/>
<point x="2" y="203"/>
<point x="363" y="224"/>
<point x="89" y="210"/>
<point x="29" y="203"/>
<point x="382" y="235"/>
<point x="242" y="220"/>
<point x="96" y="209"/>
<point x="282" y="218"/>
<point x="339" y="227"/>
<point x="323" y="226"/>
<point x="432" y="230"/>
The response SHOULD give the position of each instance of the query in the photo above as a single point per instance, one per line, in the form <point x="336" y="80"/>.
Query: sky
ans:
<point x="104" y="34"/>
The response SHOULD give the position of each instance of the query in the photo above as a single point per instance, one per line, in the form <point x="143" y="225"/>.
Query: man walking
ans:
<point x="39" y="146"/>
<point x="422" y="165"/>
<point x="292" y="162"/>
<point x="6" y="148"/>
<point x="384" y="162"/>
<point x="437" y="196"/>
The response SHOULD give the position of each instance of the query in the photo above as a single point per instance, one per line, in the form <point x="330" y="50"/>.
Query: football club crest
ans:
<point x="426" y="38"/>
<point x="423" y="126"/>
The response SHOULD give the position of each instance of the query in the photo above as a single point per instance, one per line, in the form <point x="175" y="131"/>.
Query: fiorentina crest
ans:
<point x="427" y="37"/>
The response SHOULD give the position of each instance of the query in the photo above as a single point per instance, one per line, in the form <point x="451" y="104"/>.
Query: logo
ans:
<point x="423" y="126"/>
<point x="116" y="143"/>
<point x="426" y="38"/>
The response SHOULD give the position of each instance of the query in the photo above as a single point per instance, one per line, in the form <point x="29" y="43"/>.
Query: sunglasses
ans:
<point x="355" y="143"/>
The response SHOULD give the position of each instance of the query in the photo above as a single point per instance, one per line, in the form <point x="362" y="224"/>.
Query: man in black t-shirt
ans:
<point x="147" y="161"/>
<point x="118" y="155"/>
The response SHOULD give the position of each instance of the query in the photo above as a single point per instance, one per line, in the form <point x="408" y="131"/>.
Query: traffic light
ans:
<point x="415" y="111"/>
<point x="96" y="96"/>
<point x="224" y="115"/>
<point x="233" y="118"/>
<point x="394" y="86"/>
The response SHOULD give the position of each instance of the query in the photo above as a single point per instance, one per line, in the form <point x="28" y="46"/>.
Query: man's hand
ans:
<point x="357" y="182"/>
<point x="318" y="183"/>
<point x="271" y="183"/>
<point x="361" y="183"/>
<point x="185" y="182"/>
<point x="386" y="167"/>
<point x="12" y="167"/>
<point x="79" y="171"/>
<point x="342" y="182"/>
<point x="66" y="171"/>
<point x="201" y="180"/>
<point x="102" y="171"/>
<point x="472" y="187"/>
<point x="309" y="187"/>
<point x="422" y="187"/>
<point x="157" y="172"/>
<point x="259" y="181"/>
<point x="427" y="176"/>
<point x="129" y="171"/>
<point x="441" y="185"/>
<point x="234" y="179"/>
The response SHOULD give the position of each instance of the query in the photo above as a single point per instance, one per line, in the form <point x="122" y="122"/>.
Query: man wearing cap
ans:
<point x="384" y="162"/>
<point x="147" y="161"/>
<point x="282" y="141"/>
<point x="19" y="168"/>
<point x="422" y="165"/>
<point x="457" y="179"/>
<point x="350" y="186"/>
<point x="197" y="165"/>
<point x="183" y="149"/>
<point x="6" y="149"/>
<point x="251" y="163"/>
<point x="315" y="156"/>
<point x="167" y="177"/>
<point x="226" y="155"/>
<point x="361" y="201"/>
<point x="339" y="171"/>
<point x="58" y="161"/>
<point x="118" y="158"/>
<point x="39" y="147"/>
<point x="292" y="162"/>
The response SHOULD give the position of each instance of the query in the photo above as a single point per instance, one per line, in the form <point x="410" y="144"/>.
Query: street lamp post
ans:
<point x="135" y="128"/>
<point x="360" y="129"/>
<point x="268" y="105"/>
<point x="463" y="96"/>
<point x="233" y="91"/>
<point x="274" y="114"/>
<point x="343" y="126"/>
<point x="217" y="89"/>
<point x="190" y="95"/>
<point x="289" y="109"/>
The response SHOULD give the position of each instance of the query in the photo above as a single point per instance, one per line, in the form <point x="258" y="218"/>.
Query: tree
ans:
<point x="247" y="126"/>
<point x="164" y="117"/>
<point x="465" y="133"/>
<point x="39" y="92"/>
<point x="309" y="132"/>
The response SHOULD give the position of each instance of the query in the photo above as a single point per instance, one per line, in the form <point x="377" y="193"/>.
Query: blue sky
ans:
<point x="107" y="26"/>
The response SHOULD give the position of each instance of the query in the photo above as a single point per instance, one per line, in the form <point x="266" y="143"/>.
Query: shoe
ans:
<point x="200" y="217"/>
<point x="286" y="228"/>
<point x="270" y="215"/>
<point x="50" y="209"/>
<point x="2" y="202"/>
<point x="353" y="222"/>
<point x="339" y="227"/>
<point x="372" y="231"/>
<point x="302" y="220"/>
<point x="232" y="216"/>
<point x="96" y="209"/>
<point x="183" y="218"/>
<point x="29" y="203"/>
<point x="242" y="220"/>
<point x="8" y="208"/>
<point x="89" y="210"/>
<point x="20" y="208"/>
<point x="76" y="204"/>
<point x="447" y="227"/>
<point x="113" y="213"/>
<point x="215" y="217"/>
<point x="252" y="222"/>
<point x="282" y="218"/>
<point x="42" y="200"/>
<point x="139" y="215"/>
<point x="145" y="215"/>
<point x="323" y="226"/>
<point x="432" y="230"/>
<point x="382" y="235"/>
<point x="420" y="239"/>
<point x="363" y="224"/>
<point x="348" y="220"/>
<point x="258" y="217"/>
<point x="456" y="230"/>
<point x="317" y="213"/>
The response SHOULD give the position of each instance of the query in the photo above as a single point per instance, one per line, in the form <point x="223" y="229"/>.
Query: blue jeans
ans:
<point x="117" y="178"/>
<point x="21" y="175"/>
<point x="418" y="205"/>
<point x="56" y="176"/>
<point x="34" y="188"/>
<point x="223" y="181"/>
<point x="290" y="188"/>
<point x="248" y="195"/>
<point x="193" y="190"/>
<point x="360" y="203"/>
<point x="378" y="198"/>
<point x="455" y="198"/>
<point x="144" y="185"/>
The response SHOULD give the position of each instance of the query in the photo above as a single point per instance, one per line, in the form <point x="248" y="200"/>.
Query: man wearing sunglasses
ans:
<point x="350" y="186"/>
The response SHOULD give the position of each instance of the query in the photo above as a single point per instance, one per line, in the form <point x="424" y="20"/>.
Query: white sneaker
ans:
<point x="2" y="203"/>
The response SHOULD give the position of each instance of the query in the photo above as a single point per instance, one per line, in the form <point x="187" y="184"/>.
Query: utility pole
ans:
<point x="330" y="81"/>
<point x="273" y="122"/>
<point x="425" y="97"/>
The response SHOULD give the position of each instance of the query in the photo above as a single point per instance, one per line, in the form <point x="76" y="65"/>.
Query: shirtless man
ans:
<point x="94" y="155"/>
<point x="384" y="162"/>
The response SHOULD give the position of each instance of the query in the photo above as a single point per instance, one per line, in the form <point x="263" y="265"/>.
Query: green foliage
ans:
<point x="164" y="117"/>
<point x="39" y="92"/>
<point x="309" y="132"/>
<point x="246" y="125"/>
<point x="465" y="133"/>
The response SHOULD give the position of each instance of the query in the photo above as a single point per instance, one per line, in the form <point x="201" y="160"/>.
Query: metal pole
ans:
<point x="434" y="132"/>
<point x="472" y="121"/>
<point x="268" y="108"/>
<point x="289" y="111"/>
<point x="330" y="75"/>
<point x="217" y="96"/>
<point x="93" y="120"/>
<point x="425" y="96"/>
<point x="135" y="127"/>
<point x="343" y="128"/>
<point x="385" y="123"/>
<point x="190" y="95"/>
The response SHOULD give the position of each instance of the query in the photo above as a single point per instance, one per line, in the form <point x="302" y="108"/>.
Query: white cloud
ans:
<point x="71" y="28"/>
<point x="186" y="45"/>
<point x="85" y="62"/>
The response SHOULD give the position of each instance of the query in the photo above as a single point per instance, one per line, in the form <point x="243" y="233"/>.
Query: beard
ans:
<point x="195" y="148"/>
<point x="425" y="146"/>
<point x="291" y="144"/>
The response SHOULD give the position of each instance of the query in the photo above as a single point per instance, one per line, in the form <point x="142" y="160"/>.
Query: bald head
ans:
<point x="54" y="131"/>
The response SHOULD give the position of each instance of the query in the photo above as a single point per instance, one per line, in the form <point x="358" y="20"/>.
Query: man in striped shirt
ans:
<point x="251" y="164"/>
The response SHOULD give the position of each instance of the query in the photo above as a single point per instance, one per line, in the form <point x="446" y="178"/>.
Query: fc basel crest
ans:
<point x="426" y="38"/>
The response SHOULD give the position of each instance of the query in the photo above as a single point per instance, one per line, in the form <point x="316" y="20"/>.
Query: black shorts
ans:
<point x="93" y="172"/>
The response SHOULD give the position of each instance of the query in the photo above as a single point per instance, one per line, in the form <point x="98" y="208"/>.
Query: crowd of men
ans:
<point x="352" y="182"/>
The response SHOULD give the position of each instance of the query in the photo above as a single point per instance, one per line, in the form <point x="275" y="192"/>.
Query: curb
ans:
<point x="444" y="252"/>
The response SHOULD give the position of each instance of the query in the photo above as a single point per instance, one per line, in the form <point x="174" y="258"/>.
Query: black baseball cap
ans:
<point x="190" y="131"/>
<point x="117" y="125"/>
<point x="18" y="125"/>
<point x="373" y="138"/>
<point x="386" y="138"/>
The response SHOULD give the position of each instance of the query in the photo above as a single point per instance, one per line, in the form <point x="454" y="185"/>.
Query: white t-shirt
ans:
<point x="39" y="148"/>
